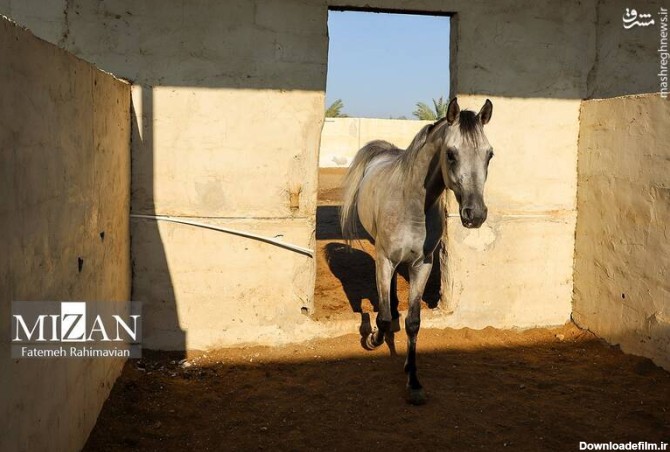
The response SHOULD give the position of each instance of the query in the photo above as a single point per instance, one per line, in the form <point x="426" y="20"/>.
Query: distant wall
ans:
<point x="341" y="138"/>
<point x="622" y="257"/>
<point x="64" y="179"/>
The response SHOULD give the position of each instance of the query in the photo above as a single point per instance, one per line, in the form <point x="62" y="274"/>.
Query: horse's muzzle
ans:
<point x="473" y="216"/>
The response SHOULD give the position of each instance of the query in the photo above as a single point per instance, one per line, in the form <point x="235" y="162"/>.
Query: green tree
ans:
<point x="424" y="112"/>
<point x="335" y="110"/>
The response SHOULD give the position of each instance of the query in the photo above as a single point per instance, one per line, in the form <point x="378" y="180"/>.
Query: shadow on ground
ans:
<point x="537" y="390"/>
<point x="353" y="269"/>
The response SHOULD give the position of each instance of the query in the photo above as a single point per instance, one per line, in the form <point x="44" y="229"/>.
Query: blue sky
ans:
<point x="381" y="65"/>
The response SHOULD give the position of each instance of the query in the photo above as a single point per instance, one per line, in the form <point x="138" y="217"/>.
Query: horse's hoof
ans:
<point x="395" y="325"/>
<point x="416" y="396"/>
<point x="369" y="342"/>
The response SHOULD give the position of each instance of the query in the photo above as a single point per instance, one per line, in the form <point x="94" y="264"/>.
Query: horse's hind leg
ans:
<point x="395" y="315"/>
<point x="418" y="276"/>
<point x="384" y="270"/>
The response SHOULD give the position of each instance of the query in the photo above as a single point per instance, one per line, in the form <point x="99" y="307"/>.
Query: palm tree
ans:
<point x="424" y="112"/>
<point x="335" y="110"/>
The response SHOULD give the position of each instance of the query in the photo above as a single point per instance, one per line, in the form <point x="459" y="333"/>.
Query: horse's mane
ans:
<point x="469" y="126"/>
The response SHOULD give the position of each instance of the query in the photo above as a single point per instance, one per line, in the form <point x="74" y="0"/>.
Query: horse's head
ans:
<point x="465" y="154"/>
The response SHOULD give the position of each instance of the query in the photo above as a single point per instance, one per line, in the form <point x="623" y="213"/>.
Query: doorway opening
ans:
<point x="388" y="74"/>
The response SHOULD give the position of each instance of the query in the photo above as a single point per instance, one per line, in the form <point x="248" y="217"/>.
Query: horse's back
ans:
<point x="407" y="232"/>
<point x="371" y="155"/>
<point x="376" y="184"/>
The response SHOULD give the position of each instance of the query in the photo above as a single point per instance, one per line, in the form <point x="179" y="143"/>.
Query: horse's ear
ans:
<point x="485" y="113"/>
<point x="452" y="111"/>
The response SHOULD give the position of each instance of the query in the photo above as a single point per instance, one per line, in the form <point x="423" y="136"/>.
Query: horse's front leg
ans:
<point x="384" y="270"/>
<point x="418" y="276"/>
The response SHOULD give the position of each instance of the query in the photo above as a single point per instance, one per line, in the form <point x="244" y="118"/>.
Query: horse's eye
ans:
<point x="451" y="156"/>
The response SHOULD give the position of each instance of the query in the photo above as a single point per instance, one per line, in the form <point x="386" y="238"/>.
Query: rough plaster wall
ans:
<point x="45" y="18"/>
<point x="227" y="101"/>
<point x="516" y="270"/>
<point x="341" y="138"/>
<point x="622" y="289"/>
<point x="625" y="61"/>
<point x="229" y="92"/>
<point x="64" y="179"/>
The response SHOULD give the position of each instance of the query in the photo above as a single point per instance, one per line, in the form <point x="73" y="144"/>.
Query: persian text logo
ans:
<point x="632" y="19"/>
<point x="46" y="329"/>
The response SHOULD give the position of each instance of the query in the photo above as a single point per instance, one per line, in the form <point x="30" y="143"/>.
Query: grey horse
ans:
<point x="397" y="196"/>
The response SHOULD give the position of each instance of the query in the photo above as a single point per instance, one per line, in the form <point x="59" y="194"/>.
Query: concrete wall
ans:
<point x="228" y="108"/>
<point x="622" y="289"/>
<point x="516" y="270"/>
<point x="64" y="179"/>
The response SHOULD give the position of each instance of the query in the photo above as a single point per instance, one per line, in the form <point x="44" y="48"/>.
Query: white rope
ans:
<point x="272" y="240"/>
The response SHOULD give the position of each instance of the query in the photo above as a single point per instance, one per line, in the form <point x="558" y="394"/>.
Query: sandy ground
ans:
<point x="542" y="389"/>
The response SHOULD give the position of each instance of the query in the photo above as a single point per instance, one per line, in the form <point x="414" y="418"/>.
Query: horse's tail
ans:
<point x="351" y="183"/>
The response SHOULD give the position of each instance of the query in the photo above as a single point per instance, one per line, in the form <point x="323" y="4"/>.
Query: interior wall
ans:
<point x="622" y="290"/>
<point x="228" y="104"/>
<point x="64" y="179"/>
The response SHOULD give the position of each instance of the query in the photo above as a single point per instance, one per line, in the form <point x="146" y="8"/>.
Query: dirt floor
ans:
<point x="542" y="389"/>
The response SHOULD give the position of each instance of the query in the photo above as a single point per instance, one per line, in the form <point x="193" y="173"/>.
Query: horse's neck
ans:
<point x="426" y="175"/>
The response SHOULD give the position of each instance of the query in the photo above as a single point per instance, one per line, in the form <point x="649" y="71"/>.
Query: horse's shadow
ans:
<point x="356" y="271"/>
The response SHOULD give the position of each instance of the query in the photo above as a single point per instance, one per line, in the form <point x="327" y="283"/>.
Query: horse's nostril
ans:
<point x="467" y="213"/>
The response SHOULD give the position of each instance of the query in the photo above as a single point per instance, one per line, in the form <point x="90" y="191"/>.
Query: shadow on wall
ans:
<point x="155" y="286"/>
<point x="584" y="48"/>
